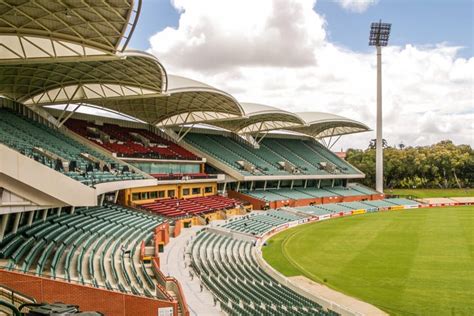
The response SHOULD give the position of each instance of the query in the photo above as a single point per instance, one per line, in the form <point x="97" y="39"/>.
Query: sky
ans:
<point x="307" y="55"/>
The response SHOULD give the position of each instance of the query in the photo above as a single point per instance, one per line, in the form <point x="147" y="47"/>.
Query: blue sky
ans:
<point x="291" y="55"/>
<point x="423" y="22"/>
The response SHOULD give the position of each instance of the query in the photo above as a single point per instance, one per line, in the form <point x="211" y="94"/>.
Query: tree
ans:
<point x="442" y="165"/>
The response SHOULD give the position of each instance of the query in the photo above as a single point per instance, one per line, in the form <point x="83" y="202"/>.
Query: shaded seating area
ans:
<point x="130" y="142"/>
<point x="306" y="157"/>
<point x="97" y="246"/>
<point x="228" y="269"/>
<point x="28" y="137"/>
<point x="298" y="193"/>
<point x="190" y="206"/>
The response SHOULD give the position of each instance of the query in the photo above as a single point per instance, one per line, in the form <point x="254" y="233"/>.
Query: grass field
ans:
<point x="432" y="193"/>
<point x="411" y="262"/>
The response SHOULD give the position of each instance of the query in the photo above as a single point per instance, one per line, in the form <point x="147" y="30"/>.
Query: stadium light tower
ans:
<point x="379" y="34"/>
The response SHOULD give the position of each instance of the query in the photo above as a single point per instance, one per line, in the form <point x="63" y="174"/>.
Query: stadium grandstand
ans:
<point x="89" y="202"/>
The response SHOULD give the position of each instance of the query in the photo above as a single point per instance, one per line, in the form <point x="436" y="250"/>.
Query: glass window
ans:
<point x="161" y="194"/>
<point x="196" y="190"/>
<point x="208" y="189"/>
<point x="171" y="193"/>
<point x="185" y="191"/>
<point x="135" y="196"/>
<point x="153" y="195"/>
<point x="144" y="195"/>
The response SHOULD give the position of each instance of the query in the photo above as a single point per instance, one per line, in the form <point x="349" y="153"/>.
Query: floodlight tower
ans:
<point x="379" y="34"/>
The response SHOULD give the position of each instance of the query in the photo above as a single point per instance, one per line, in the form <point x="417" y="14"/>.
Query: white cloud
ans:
<point x="358" y="6"/>
<point x="277" y="53"/>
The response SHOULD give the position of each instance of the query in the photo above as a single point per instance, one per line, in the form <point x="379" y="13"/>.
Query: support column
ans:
<point x="378" y="142"/>
<point x="16" y="222"/>
<point x="319" y="184"/>
<point x="265" y="185"/>
<point x="102" y="196"/>
<point x="332" y="184"/>
<point x="291" y="186"/>
<point x="31" y="216"/>
<point x="116" y="196"/>
<point x="224" y="188"/>
<point x="3" y="226"/>
<point x="305" y="183"/>
<point x="45" y="214"/>
<point x="278" y="185"/>
<point x="73" y="209"/>
<point x="238" y="186"/>
<point x="60" y="209"/>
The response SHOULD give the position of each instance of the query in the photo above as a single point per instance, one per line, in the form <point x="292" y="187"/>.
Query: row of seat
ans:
<point x="23" y="134"/>
<point x="261" y="223"/>
<point x="298" y="193"/>
<point x="227" y="267"/>
<point x="89" y="247"/>
<point x="307" y="156"/>
<point x="372" y="205"/>
<point x="125" y="145"/>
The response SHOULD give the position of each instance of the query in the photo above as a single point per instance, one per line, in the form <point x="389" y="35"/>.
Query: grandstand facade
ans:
<point x="88" y="202"/>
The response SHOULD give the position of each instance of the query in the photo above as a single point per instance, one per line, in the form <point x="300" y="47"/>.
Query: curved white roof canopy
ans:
<point x="259" y="118"/>
<point x="41" y="29"/>
<point x="131" y="74"/>
<point x="321" y="125"/>
<point x="186" y="102"/>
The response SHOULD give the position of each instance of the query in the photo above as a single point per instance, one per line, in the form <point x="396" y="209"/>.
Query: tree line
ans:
<point x="442" y="165"/>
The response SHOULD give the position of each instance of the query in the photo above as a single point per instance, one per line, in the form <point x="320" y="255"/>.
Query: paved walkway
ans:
<point x="172" y="263"/>
<point x="329" y="294"/>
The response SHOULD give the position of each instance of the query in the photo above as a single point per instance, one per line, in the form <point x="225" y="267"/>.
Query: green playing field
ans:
<point x="410" y="262"/>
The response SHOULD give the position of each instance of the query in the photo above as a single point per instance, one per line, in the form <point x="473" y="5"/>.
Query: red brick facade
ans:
<point x="88" y="298"/>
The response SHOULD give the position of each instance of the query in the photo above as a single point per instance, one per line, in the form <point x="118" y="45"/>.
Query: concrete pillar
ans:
<point x="16" y="222"/>
<point x="319" y="184"/>
<point x="278" y="185"/>
<point x="224" y="188"/>
<point x="60" y="209"/>
<point x="31" y="216"/>
<point x="251" y="185"/>
<point x="332" y="184"/>
<point x="305" y="183"/>
<point x="264" y="185"/>
<point x="3" y="225"/>
<point x="116" y="196"/>
<point x="102" y="196"/>
<point x="45" y="214"/>
<point x="292" y="183"/>
<point x="73" y="209"/>
<point x="238" y="186"/>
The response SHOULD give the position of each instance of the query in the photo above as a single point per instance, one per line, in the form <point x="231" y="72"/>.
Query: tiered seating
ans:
<point x="85" y="247"/>
<point x="363" y="189"/>
<point x="304" y="155"/>
<point x="401" y="201"/>
<point x="380" y="203"/>
<point x="191" y="206"/>
<point x="302" y="193"/>
<point x="267" y="195"/>
<point x="228" y="269"/>
<point x="125" y="145"/>
<point x="343" y="191"/>
<point x="24" y="135"/>
<point x="313" y="210"/>
<point x="261" y="223"/>
<point x="373" y="205"/>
